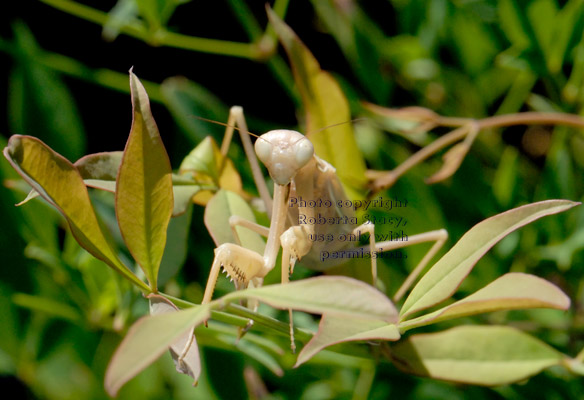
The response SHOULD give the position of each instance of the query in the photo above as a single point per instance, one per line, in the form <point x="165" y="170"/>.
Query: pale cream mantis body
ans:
<point x="289" y="157"/>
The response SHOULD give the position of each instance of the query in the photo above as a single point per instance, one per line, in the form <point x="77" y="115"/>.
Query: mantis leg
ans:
<point x="237" y="120"/>
<point x="236" y="220"/>
<point x="439" y="237"/>
<point x="294" y="241"/>
<point x="370" y="229"/>
<point x="295" y="245"/>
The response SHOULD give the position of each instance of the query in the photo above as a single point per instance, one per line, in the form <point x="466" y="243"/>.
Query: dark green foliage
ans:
<point x="63" y="313"/>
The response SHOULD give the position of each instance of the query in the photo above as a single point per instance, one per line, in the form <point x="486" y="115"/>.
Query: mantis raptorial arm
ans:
<point x="236" y="220"/>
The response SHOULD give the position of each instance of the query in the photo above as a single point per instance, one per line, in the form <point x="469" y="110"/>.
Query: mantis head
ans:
<point x="284" y="153"/>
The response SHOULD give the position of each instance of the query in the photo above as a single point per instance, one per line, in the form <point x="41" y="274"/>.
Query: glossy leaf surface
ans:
<point x="324" y="105"/>
<point x="334" y="329"/>
<point x="509" y="292"/>
<point x="343" y="297"/>
<point x="445" y="276"/>
<point x="144" y="200"/>
<point x="479" y="355"/>
<point x="325" y="294"/>
<point x="224" y="205"/>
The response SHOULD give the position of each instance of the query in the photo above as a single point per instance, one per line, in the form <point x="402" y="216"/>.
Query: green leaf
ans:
<point x="46" y="305"/>
<point x="361" y="41"/>
<point x="175" y="252"/>
<point x="100" y="171"/>
<point x="156" y="12"/>
<point x="121" y="15"/>
<point x="217" y="213"/>
<point x="479" y="355"/>
<point x="147" y="340"/>
<point x="442" y="280"/>
<point x="513" y="25"/>
<point x="250" y="349"/>
<point x="184" y="189"/>
<point x="325" y="105"/>
<point x="206" y="164"/>
<point x="205" y="159"/>
<point x="506" y="176"/>
<point x="474" y="43"/>
<point x="542" y="18"/>
<point x="185" y="99"/>
<point x="144" y="198"/>
<point x="335" y="329"/>
<point x="509" y="292"/>
<point x="336" y="295"/>
<point x="59" y="182"/>
<point x="567" y="32"/>
<point x="184" y="350"/>
<point x="102" y="166"/>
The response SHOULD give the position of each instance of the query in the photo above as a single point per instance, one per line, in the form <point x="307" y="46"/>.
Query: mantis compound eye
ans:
<point x="263" y="149"/>
<point x="304" y="150"/>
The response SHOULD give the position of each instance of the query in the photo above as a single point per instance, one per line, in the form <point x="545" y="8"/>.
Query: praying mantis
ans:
<point x="306" y="188"/>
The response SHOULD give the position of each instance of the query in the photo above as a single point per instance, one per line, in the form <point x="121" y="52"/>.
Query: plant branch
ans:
<point x="428" y="120"/>
<point x="240" y="316"/>
<point x="262" y="48"/>
<point x="161" y="37"/>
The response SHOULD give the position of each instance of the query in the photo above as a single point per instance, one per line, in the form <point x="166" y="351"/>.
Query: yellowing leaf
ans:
<point x="336" y="295"/>
<point x="59" y="182"/>
<point x="445" y="276"/>
<point x="325" y="105"/>
<point x="217" y="213"/>
<point x="479" y="355"/>
<point x="146" y="340"/>
<point x="338" y="329"/>
<point x="206" y="164"/>
<point x="509" y="292"/>
<point x="184" y="351"/>
<point x="144" y="198"/>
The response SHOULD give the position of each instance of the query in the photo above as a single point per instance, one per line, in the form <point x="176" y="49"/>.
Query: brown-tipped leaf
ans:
<point x="144" y="198"/>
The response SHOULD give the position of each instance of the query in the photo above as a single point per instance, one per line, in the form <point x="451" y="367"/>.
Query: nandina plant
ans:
<point x="148" y="195"/>
<point x="351" y="310"/>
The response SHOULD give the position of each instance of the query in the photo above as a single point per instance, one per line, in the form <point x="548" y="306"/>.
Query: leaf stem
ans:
<point x="240" y="316"/>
